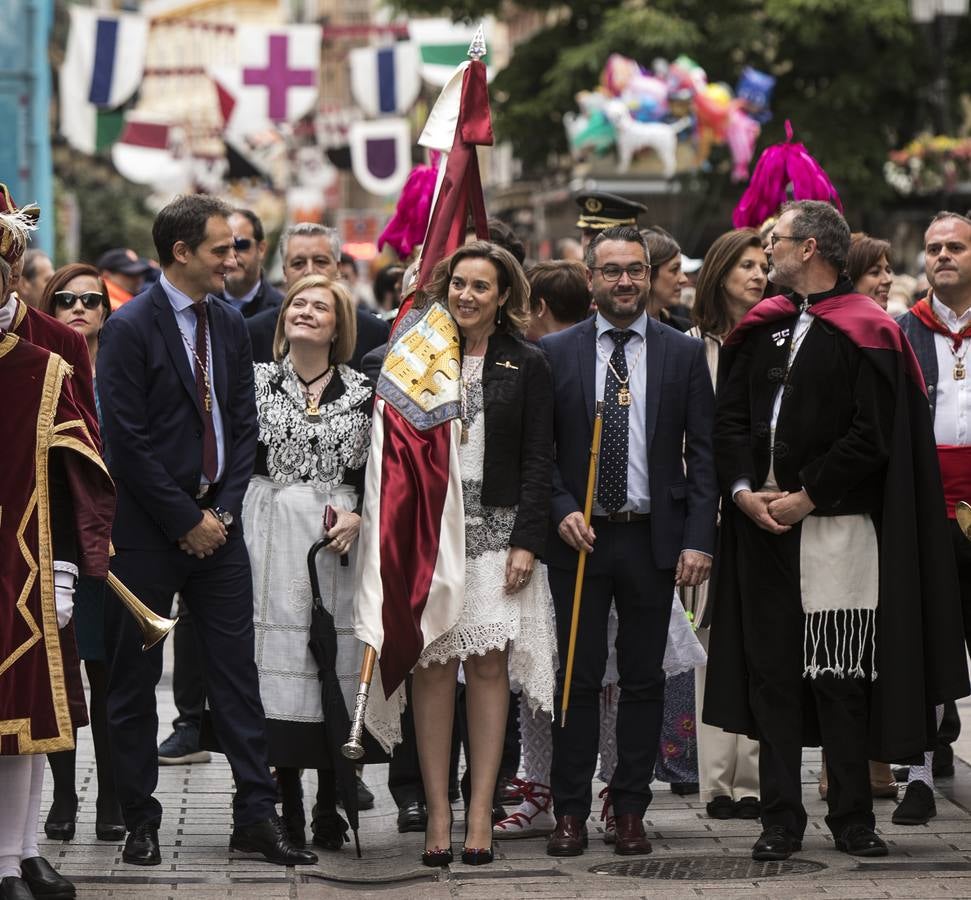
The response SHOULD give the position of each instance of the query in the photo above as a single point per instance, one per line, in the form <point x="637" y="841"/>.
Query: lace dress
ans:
<point x="491" y="618"/>
<point x="302" y="465"/>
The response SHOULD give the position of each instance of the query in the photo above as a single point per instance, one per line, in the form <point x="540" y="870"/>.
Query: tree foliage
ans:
<point x="852" y="75"/>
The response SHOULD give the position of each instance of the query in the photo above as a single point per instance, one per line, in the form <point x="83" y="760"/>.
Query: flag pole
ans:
<point x="581" y="562"/>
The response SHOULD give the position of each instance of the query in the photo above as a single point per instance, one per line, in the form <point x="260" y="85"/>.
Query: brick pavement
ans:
<point x="929" y="861"/>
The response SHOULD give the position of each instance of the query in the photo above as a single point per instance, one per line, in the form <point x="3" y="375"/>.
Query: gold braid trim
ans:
<point x="57" y="371"/>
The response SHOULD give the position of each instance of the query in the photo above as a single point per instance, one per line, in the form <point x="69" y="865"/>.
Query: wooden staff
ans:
<point x="354" y="748"/>
<point x="582" y="561"/>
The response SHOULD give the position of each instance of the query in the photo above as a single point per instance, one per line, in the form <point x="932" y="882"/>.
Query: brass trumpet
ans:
<point x="963" y="514"/>
<point x="153" y="627"/>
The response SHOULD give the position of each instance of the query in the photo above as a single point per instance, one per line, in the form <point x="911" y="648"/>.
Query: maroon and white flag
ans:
<point x="411" y="558"/>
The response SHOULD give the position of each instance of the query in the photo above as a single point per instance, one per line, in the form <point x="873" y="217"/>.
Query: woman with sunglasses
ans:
<point x="76" y="296"/>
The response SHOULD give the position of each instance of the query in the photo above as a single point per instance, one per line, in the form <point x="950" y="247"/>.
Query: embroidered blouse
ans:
<point x="295" y="448"/>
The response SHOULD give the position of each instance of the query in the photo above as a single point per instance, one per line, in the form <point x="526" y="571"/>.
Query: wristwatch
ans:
<point x="224" y="515"/>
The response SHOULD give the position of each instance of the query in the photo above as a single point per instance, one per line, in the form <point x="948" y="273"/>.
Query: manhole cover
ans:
<point x="706" y="868"/>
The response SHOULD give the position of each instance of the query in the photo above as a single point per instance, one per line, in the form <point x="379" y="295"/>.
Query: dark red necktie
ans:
<point x="210" y="456"/>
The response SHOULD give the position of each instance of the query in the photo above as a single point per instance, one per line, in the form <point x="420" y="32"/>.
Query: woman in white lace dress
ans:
<point x="506" y="625"/>
<point x="315" y="428"/>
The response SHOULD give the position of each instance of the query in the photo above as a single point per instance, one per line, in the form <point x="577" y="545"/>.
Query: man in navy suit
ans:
<point x="175" y="379"/>
<point x="653" y="524"/>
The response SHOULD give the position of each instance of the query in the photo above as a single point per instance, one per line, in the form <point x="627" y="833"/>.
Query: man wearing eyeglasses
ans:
<point x="247" y="288"/>
<point x="653" y="525"/>
<point x="836" y="619"/>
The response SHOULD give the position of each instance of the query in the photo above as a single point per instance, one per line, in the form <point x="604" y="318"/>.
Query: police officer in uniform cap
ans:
<point x="600" y="210"/>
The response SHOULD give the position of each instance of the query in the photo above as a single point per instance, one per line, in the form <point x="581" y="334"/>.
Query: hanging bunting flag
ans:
<point x="102" y="68"/>
<point x="385" y="81"/>
<point x="443" y="45"/>
<point x="381" y="154"/>
<point x="276" y="80"/>
<point x="150" y="152"/>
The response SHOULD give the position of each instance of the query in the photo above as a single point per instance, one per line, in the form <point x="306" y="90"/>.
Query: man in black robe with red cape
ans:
<point x="835" y="620"/>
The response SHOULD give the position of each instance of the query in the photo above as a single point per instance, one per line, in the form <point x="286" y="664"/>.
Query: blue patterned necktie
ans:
<point x="615" y="438"/>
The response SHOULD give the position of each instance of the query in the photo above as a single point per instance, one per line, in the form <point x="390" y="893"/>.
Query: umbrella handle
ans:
<point x="315" y="548"/>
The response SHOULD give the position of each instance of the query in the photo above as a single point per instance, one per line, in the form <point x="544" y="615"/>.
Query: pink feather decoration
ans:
<point x="779" y="166"/>
<point x="410" y="220"/>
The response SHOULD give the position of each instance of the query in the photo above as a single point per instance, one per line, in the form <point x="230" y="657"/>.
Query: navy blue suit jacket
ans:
<point x="679" y="414"/>
<point x="153" y="420"/>
<point x="925" y="349"/>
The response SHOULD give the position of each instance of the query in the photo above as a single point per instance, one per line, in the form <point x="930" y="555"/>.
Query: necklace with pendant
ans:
<point x="623" y="391"/>
<point x="312" y="398"/>
<point x="204" y="369"/>
<point x="959" y="372"/>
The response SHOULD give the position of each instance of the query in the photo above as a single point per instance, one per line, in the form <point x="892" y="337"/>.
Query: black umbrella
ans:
<point x="337" y="721"/>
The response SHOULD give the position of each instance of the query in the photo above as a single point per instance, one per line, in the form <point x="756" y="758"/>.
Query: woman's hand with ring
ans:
<point x="344" y="532"/>
<point x="519" y="569"/>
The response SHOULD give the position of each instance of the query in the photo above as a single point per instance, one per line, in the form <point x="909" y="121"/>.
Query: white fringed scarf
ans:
<point x="839" y="582"/>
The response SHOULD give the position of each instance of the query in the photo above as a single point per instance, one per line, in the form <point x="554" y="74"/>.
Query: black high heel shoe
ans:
<point x="476" y="856"/>
<point x="440" y="856"/>
<point x="60" y="824"/>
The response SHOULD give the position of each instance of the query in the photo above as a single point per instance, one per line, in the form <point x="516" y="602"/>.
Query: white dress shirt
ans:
<point x="638" y="486"/>
<point x="951" y="406"/>
<point x="186" y="320"/>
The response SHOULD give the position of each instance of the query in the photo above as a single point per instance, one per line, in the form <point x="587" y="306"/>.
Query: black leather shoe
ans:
<point x="775" y="842"/>
<point x="12" y="888"/>
<point x="720" y="807"/>
<point x="44" y="881"/>
<point x="858" y="840"/>
<point x="748" y="808"/>
<point x="684" y="788"/>
<point x="141" y="848"/>
<point x="269" y="839"/>
<point x="412" y="817"/>
<point x="917" y="807"/>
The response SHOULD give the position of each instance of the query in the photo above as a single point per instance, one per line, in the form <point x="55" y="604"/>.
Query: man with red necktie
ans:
<point x="175" y="377"/>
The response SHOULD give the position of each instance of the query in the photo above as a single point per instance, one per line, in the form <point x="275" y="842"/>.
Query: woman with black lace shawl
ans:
<point x="315" y="428"/>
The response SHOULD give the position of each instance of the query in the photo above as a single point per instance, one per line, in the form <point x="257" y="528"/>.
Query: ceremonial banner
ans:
<point x="381" y="154"/>
<point x="412" y="550"/>
<point x="276" y="79"/>
<point x="102" y="68"/>
<point x="385" y="81"/>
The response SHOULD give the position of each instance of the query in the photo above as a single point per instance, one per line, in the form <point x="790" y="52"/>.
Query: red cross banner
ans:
<point x="275" y="80"/>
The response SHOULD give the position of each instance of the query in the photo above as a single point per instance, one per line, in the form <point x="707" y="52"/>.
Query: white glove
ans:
<point x="65" y="577"/>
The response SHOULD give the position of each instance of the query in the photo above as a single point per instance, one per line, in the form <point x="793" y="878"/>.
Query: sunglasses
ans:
<point x="242" y="244"/>
<point x="89" y="299"/>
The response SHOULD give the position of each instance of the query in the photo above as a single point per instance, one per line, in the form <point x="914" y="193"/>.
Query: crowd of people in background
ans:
<point x="757" y="411"/>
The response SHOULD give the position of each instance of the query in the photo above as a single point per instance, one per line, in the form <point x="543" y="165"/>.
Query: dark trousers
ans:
<point x="621" y="569"/>
<point x="782" y="700"/>
<point x="188" y="679"/>
<point x="219" y="592"/>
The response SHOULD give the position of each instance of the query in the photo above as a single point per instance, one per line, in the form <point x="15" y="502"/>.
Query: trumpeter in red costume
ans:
<point x="836" y="619"/>
<point x="56" y="506"/>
